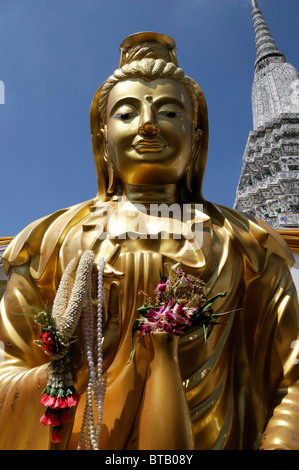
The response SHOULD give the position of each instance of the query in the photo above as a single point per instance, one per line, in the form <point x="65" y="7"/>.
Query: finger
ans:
<point x="114" y="300"/>
<point x="109" y="272"/>
<point x="114" y="255"/>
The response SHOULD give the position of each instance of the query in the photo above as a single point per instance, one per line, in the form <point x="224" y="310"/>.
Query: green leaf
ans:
<point x="207" y="304"/>
<point x="162" y="277"/>
<point x="209" y="332"/>
<point x="133" y="331"/>
<point x="226" y="313"/>
<point x="144" y="309"/>
<point x="205" y="332"/>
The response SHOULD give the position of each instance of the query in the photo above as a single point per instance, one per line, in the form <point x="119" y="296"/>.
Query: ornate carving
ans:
<point x="269" y="183"/>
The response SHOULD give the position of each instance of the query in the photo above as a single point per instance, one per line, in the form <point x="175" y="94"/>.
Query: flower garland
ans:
<point x="58" y="326"/>
<point x="180" y="304"/>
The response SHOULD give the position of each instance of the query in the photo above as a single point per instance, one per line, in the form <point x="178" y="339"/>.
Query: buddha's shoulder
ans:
<point x="43" y="234"/>
<point x="254" y="237"/>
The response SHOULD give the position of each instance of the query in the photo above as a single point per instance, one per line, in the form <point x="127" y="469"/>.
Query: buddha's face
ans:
<point x="149" y="131"/>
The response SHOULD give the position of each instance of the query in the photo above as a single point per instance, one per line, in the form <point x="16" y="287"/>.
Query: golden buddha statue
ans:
<point x="149" y="130"/>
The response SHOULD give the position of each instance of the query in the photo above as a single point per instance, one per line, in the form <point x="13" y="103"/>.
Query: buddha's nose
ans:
<point x="148" y="126"/>
<point x="148" y="129"/>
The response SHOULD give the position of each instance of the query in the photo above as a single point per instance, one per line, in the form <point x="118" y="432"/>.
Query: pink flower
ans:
<point x="162" y="286"/>
<point x="48" y="343"/>
<point x="44" y="398"/>
<point x="147" y="328"/>
<point x="169" y="328"/>
<point x="49" y="401"/>
<point x="73" y="400"/>
<point x="178" y="308"/>
<point x="50" y="419"/>
<point x="170" y="303"/>
<point x="54" y="419"/>
<point x="156" y="313"/>
<point x="169" y="315"/>
<point x="44" y="420"/>
<point x="61" y="402"/>
<point x="56" y="437"/>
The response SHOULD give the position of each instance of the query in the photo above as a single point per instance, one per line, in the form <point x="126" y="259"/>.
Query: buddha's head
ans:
<point x="150" y="122"/>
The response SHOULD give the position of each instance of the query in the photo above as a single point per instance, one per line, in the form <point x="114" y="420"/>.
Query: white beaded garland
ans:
<point x="96" y="381"/>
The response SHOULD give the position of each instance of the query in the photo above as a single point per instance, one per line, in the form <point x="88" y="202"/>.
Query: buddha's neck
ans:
<point x="147" y="194"/>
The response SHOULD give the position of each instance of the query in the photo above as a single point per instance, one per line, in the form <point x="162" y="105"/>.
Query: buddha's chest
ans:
<point x="149" y="240"/>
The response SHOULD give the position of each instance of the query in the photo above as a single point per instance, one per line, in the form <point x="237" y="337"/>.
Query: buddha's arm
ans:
<point x="282" y="367"/>
<point x="22" y="369"/>
<point x="282" y="431"/>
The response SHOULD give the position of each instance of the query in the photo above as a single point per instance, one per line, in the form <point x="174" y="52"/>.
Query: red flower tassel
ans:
<point x="56" y="437"/>
<point x="66" y="416"/>
<point x="58" y="402"/>
<point x="44" y="420"/>
<point x="50" y="419"/>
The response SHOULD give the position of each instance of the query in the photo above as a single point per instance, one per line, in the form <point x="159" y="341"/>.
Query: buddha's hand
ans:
<point x="112" y="317"/>
<point x="112" y="328"/>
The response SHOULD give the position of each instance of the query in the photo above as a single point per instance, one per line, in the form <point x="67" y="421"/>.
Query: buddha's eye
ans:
<point x="170" y="114"/>
<point x="125" y="116"/>
<point x="125" y="113"/>
<point x="171" y="111"/>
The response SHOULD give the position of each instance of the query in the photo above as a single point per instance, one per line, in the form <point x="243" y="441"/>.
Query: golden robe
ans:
<point x="243" y="380"/>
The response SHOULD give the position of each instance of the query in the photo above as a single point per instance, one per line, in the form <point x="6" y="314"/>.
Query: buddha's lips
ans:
<point x="149" y="145"/>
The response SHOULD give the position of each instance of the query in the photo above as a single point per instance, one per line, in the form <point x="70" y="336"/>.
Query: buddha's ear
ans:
<point x="103" y="141"/>
<point x="103" y="134"/>
<point x="198" y="133"/>
<point x="196" y="145"/>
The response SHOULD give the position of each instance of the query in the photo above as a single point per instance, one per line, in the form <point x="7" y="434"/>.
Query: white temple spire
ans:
<point x="269" y="182"/>
<point x="274" y="75"/>
<point x="264" y="42"/>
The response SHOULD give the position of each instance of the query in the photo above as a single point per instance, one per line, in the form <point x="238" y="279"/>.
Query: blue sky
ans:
<point x="55" y="54"/>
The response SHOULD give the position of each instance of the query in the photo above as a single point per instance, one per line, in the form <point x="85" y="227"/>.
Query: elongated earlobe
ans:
<point x="188" y="177"/>
<point x="111" y="178"/>
<point x="107" y="159"/>
<point x="195" y="153"/>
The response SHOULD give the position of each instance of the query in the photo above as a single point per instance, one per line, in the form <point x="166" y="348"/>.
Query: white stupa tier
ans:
<point x="269" y="183"/>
